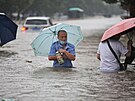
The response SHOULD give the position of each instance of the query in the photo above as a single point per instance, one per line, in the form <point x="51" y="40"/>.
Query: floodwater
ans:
<point x="25" y="77"/>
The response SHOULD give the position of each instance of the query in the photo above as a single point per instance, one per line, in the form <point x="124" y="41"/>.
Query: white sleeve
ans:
<point x="98" y="50"/>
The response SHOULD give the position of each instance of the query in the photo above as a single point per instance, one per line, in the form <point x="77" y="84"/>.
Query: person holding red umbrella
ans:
<point x="108" y="61"/>
<point x="110" y="48"/>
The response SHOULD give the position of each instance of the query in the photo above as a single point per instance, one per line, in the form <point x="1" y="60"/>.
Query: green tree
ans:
<point x="45" y="7"/>
<point x="49" y="7"/>
<point x="12" y="6"/>
<point x="21" y="5"/>
<point x="128" y="5"/>
<point x="4" y="6"/>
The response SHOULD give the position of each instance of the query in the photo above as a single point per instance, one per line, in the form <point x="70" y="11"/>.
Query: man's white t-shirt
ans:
<point x="108" y="62"/>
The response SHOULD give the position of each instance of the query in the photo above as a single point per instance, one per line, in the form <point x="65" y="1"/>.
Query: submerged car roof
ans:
<point x="45" y="18"/>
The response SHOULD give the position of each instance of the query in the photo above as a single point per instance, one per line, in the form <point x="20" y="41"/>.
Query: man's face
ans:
<point x="62" y="36"/>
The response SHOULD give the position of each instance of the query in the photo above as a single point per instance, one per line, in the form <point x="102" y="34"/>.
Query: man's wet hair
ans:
<point x="61" y="31"/>
<point x="116" y="37"/>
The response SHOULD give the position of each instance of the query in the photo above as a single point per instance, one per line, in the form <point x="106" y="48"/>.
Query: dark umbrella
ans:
<point x="8" y="29"/>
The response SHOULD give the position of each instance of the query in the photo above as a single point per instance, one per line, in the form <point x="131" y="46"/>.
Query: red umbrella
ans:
<point x="122" y="26"/>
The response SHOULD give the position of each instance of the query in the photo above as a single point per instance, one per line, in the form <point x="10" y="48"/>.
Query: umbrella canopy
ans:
<point x="44" y="40"/>
<point x="118" y="28"/>
<point x="76" y="9"/>
<point x="8" y="29"/>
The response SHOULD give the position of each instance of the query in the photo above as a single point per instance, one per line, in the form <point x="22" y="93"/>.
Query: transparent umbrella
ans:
<point x="42" y="43"/>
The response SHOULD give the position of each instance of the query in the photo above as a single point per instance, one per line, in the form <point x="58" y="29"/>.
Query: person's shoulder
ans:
<point x="102" y="43"/>
<point x="118" y="42"/>
<point x="70" y="45"/>
<point x="54" y="43"/>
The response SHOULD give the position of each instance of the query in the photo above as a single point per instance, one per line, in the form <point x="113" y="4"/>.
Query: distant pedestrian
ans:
<point x="62" y="52"/>
<point x="108" y="62"/>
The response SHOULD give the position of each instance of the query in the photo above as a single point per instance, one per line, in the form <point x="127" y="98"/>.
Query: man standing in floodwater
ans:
<point x="65" y="49"/>
<point x="108" y="62"/>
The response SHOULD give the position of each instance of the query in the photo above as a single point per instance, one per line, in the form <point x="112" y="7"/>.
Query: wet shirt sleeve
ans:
<point x="98" y="50"/>
<point x="72" y="50"/>
<point x="52" y="50"/>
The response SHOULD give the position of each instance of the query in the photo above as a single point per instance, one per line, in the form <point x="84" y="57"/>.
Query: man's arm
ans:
<point x="129" y="47"/>
<point x="52" y="58"/>
<point x="98" y="56"/>
<point x="68" y="55"/>
<point x="52" y="53"/>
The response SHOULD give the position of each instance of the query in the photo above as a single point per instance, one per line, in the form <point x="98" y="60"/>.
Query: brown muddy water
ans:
<point x="25" y="77"/>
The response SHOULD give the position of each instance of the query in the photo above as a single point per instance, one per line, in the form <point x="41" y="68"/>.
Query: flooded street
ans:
<point x="26" y="77"/>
